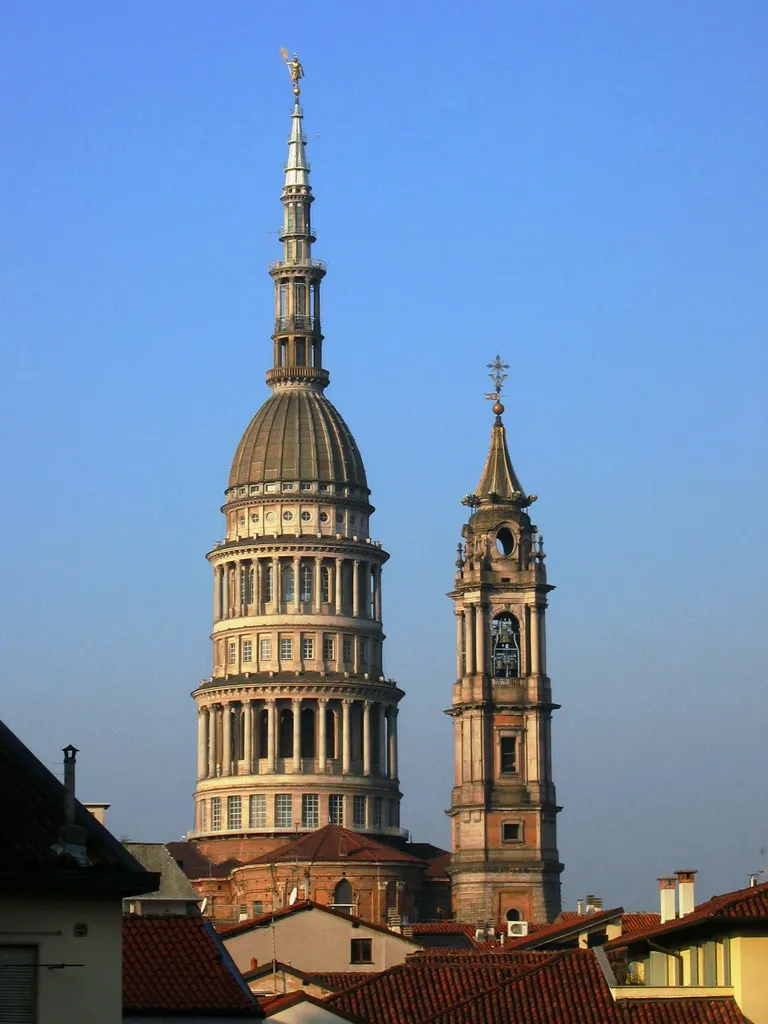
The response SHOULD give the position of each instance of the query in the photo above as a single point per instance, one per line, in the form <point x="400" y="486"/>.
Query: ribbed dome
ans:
<point x="297" y="435"/>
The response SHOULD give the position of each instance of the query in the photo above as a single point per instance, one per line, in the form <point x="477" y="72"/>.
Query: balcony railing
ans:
<point x="314" y="264"/>
<point x="296" y="231"/>
<point x="297" y="322"/>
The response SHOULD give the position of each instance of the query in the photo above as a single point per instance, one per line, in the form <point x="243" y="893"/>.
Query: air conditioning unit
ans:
<point x="517" y="928"/>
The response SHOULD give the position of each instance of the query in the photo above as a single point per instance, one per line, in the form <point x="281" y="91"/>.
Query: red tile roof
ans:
<point x="283" y="1002"/>
<point x="695" y="1010"/>
<point x="441" y="928"/>
<point x="175" y="965"/>
<point x="415" y="990"/>
<point x="638" y="922"/>
<point x="299" y="907"/>
<point x="569" y="988"/>
<point x="750" y="904"/>
<point x="334" y="843"/>
<point x="334" y="981"/>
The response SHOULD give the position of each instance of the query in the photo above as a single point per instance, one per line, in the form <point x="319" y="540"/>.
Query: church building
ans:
<point x="298" y="791"/>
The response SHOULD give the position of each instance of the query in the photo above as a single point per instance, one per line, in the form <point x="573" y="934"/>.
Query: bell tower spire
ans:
<point x="297" y="339"/>
<point x="505" y="865"/>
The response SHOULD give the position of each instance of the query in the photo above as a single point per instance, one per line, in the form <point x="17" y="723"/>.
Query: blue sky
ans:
<point x="577" y="185"/>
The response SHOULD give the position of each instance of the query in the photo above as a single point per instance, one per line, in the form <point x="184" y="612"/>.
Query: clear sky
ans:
<point x="578" y="185"/>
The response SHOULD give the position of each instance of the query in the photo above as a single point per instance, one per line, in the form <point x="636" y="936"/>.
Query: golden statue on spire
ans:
<point x="295" y="67"/>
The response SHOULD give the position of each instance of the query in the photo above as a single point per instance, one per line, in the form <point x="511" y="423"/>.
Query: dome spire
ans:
<point x="298" y="341"/>
<point x="499" y="484"/>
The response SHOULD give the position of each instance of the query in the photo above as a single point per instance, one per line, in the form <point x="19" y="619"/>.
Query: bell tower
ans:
<point x="505" y="864"/>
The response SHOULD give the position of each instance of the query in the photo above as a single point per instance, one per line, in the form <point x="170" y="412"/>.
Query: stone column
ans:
<point x="356" y="589"/>
<point x="226" y="740"/>
<point x="469" y="633"/>
<point x="212" y="741"/>
<point x="316" y="589"/>
<point x="377" y="594"/>
<point x="296" y="707"/>
<point x="202" y="736"/>
<point x="480" y="642"/>
<point x="339" y="576"/>
<point x="459" y="644"/>
<point x="248" y="736"/>
<point x="356" y="654"/>
<point x="322" y="736"/>
<point x="367" y="738"/>
<point x="534" y="640"/>
<point x="216" y="594"/>
<point x="345" y="736"/>
<point x="542" y="641"/>
<point x="393" y="743"/>
<point x="271" y="745"/>
<point x="382" y="740"/>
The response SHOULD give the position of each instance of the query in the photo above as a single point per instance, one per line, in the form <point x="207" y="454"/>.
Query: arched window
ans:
<point x="342" y="896"/>
<point x="330" y="733"/>
<point x="287" y="583"/>
<point x="325" y="584"/>
<point x="513" y="915"/>
<point x="306" y="582"/>
<point x="505" y="646"/>
<point x="285" y="734"/>
<point x="505" y="541"/>
<point x="268" y="582"/>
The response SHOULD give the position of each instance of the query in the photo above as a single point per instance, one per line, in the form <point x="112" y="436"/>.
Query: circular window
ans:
<point x="255" y="517"/>
<point x="270" y="517"/>
<point x="287" y="516"/>
<point x="323" y="517"/>
<point x="306" y="516"/>
<point x="339" y="517"/>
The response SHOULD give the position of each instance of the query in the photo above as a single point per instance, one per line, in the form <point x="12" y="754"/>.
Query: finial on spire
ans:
<point x="296" y="69"/>
<point x="498" y="376"/>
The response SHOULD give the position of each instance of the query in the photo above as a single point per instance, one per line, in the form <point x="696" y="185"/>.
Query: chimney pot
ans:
<point x="667" y="897"/>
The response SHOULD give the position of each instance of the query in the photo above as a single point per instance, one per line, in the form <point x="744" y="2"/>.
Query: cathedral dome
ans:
<point x="298" y="435"/>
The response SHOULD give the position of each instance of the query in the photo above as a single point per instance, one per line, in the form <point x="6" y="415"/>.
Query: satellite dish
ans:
<point x="292" y="897"/>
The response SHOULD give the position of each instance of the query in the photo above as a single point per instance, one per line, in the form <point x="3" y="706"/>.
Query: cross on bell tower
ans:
<point x="505" y="865"/>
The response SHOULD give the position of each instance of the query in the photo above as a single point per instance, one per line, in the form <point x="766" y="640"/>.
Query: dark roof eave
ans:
<point x="80" y="881"/>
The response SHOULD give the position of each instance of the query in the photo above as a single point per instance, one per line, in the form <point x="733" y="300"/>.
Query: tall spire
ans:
<point x="499" y="484"/>
<point x="298" y="341"/>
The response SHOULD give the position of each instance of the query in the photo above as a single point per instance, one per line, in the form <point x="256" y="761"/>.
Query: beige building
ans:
<point x="505" y="865"/>
<point x="334" y="942"/>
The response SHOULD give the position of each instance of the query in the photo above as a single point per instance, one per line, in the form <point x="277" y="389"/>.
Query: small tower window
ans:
<point x="505" y="646"/>
<point x="507" y="755"/>
<point x="505" y="541"/>
<point x="288" y="583"/>
<point x="325" y="584"/>
<point x="306" y="583"/>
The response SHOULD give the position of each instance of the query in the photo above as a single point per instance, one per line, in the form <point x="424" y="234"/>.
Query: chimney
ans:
<point x="686" y="902"/>
<point x="593" y="903"/>
<point x="99" y="811"/>
<point x="70" y="757"/>
<point x="579" y="906"/>
<point x="753" y="878"/>
<point x="667" y="892"/>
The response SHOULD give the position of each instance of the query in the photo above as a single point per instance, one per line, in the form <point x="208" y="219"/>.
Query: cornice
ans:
<point x="283" y="546"/>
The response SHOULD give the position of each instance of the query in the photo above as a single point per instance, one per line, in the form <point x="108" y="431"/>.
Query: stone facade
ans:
<point x="505" y="862"/>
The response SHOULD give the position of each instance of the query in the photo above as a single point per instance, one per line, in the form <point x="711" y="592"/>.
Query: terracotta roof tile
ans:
<point x="282" y="1002"/>
<point x="334" y="843"/>
<point x="334" y="981"/>
<point x="750" y="904"/>
<point x="562" y="930"/>
<point x="638" y="921"/>
<point x="415" y="990"/>
<point x="694" y="1010"/>
<point x="569" y="988"/>
<point x="174" y="965"/>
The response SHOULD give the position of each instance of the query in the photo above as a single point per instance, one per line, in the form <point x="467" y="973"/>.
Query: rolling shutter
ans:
<point x="18" y="984"/>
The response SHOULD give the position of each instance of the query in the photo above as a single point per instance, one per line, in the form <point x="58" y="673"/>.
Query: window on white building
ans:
<point x="310" y="810"/>
<point x="266" y="649"/>
<point x="247" y="650"/>
<point x="216" y="813"/>
<point x="232" y="653"/>
<point x="336" y="809"/>
<point x="234" y="812"/>
<point x="283" y="810"/>
<point x="286" y="649"/>
<point x="257" y="815"/>
<point x="308" y="647"/>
